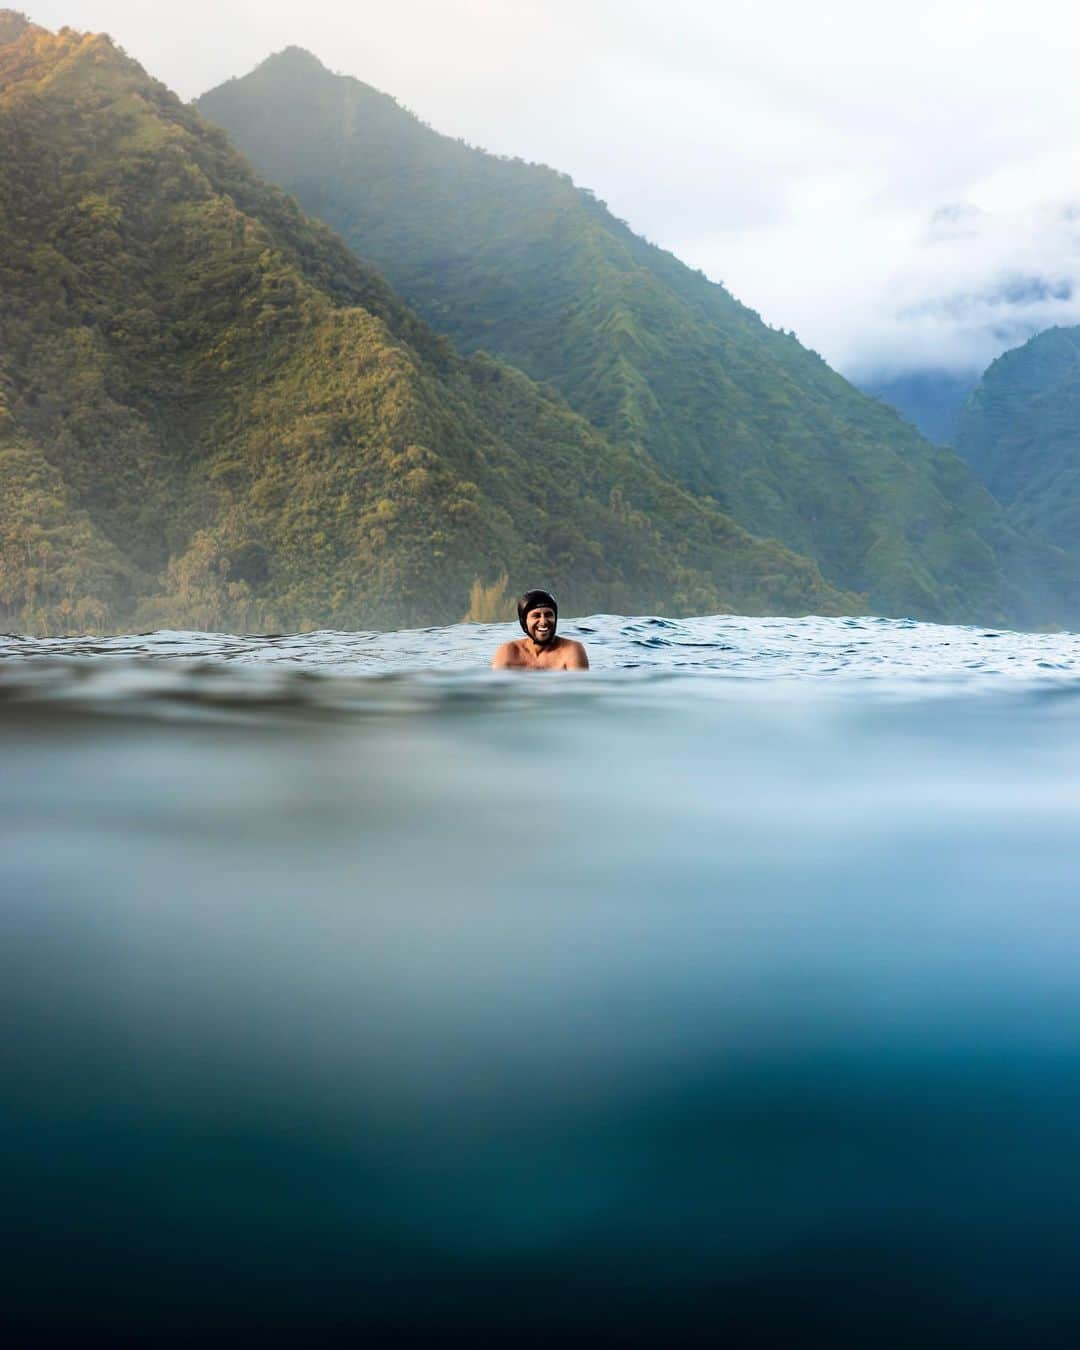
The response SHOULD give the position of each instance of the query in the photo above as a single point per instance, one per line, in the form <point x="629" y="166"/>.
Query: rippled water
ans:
<point x="729" y="645"/>
<point x="727" y="991"/>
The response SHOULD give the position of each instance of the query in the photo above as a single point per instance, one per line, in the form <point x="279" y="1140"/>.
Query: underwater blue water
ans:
<point x="729" y="991"/>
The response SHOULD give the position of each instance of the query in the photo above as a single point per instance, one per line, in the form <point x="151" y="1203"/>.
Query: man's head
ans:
<point x="538" y="614"/>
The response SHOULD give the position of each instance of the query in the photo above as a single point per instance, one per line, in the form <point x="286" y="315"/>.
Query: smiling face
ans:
<point x="540" y="624"/>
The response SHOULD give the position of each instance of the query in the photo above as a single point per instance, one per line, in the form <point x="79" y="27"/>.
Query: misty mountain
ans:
<point x="1020" y="431"/>
<point x="513" y="259"/>
<point x="930" y="400"/>
<point x="212" y="415"/>
<point x="974" y="283"/>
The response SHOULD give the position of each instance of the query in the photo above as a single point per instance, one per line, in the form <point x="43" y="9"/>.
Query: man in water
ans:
<point x="540" y="649"/>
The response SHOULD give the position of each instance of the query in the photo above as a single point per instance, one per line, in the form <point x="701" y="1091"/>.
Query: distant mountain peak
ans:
<point x="297" y="59"/>
<point x="510" y="258"/>
<point x="1019" y="431"/>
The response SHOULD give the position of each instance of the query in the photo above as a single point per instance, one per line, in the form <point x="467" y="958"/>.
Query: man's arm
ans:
<point x="577" y="658"/>
<point x="502" y="658"/>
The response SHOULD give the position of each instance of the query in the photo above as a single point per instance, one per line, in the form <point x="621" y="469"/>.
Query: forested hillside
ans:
<point x="212" y="415"/>
<point x="513" y="259"/>
<point x="1020" y="431"/>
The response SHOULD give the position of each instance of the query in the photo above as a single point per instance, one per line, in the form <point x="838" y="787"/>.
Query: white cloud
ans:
<point x="799" y="153"/>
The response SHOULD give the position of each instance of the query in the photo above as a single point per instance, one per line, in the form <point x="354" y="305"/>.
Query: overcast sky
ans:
<point x="893" y="182"/>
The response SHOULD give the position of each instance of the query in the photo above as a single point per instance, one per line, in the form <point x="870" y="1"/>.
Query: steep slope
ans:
<point x="1020" y="431"/>
<point x="211" y="414"/>
<point x="511" y="258"/>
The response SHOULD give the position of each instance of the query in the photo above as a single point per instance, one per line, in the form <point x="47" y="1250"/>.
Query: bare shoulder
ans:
<point x="577" y="658"/>
<point x="509" y="654"/>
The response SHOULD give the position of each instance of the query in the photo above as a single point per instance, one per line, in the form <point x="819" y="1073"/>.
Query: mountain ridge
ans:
<point x="513" y="258"/>
<point x="1020" y="431"/>
<point x="214" y="416"/>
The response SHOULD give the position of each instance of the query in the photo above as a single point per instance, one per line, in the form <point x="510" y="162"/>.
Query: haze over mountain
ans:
<point x="215" y="415"/>
<point x="808" y="158"/>
<point x="929" y="399"/>
<point x="979" y="282"/>
<point x="512" y="258"/>
<point x="1020" y="430"/>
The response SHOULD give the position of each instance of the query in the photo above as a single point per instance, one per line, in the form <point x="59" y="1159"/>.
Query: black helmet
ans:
<point x="535" y="600"/>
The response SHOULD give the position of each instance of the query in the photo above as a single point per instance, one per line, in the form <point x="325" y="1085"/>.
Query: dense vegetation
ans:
<point x="1020" y="430"/>
<point x="511" y="258"/>
<point x="212" y="415"/>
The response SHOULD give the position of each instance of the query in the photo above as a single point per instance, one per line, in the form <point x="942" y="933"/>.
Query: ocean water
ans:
<point x="729" y="992"/>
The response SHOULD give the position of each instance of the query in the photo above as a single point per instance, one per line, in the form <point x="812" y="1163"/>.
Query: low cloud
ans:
<point x="976" y="284"/>
<point x="970" y="285"/>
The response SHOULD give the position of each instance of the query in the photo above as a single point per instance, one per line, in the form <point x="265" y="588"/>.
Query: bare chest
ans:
<point x="555" y="658"/>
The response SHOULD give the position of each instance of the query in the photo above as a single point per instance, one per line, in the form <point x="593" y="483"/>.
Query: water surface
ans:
<point x="727" y="991"/>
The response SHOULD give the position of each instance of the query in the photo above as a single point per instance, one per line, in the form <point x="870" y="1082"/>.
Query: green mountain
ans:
<point x="513" y="259"/>
<point x="1020" y="431"/>
<point x="213" y="415"/>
